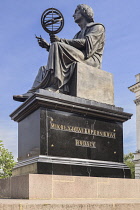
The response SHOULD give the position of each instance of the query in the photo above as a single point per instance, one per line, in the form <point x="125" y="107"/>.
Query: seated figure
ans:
<point x="86" y="47"/>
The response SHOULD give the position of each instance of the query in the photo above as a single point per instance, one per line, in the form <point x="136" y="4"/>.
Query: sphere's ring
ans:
<point x="56" y="11"/>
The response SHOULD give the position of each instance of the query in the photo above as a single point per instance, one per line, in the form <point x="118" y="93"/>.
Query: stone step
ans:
<point x="82" y="204"/>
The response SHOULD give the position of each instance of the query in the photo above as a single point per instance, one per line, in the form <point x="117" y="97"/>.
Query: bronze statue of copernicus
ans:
<point x="86" y="47"/>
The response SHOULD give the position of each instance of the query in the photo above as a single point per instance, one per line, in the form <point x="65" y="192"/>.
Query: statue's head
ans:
<point x="86" y="11"/>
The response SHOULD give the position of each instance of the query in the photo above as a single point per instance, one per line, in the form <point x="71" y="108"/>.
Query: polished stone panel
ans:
<point x="72" y="135"/>
<point x="59" y="126"/>
<point x="63" y="134"/>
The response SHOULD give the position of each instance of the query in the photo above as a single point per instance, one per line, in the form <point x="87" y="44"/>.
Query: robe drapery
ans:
<point x="87" y="46"/>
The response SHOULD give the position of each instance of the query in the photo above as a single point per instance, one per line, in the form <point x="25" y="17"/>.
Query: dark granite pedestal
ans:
<point x="65" y="135"/>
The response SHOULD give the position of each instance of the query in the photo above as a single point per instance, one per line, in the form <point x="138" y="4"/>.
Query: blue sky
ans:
<point x="21" y="56"/>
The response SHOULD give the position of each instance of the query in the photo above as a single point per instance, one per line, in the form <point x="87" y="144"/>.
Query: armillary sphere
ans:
<point x="52" y="21"/>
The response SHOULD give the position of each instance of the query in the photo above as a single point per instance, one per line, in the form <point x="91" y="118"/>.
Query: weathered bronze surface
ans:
<point x="86" y="47"/>
<point x="52" y="21"/>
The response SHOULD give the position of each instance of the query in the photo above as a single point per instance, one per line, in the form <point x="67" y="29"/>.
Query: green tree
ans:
<point x="6" y="162"/>
<point x="128" y="160"/>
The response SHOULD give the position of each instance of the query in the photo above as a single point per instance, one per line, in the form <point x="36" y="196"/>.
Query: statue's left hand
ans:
<point x="54" y="38"/>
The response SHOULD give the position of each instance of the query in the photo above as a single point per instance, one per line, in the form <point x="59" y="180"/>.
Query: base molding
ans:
<point x="43" y="164"/>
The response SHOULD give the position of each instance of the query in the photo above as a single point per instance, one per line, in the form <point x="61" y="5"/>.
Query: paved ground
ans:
<point x="68" y="201"/>
<point x="79" y="204"/>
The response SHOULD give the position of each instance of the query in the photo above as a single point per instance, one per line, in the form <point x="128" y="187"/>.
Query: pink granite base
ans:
<point x="39" y="186"/>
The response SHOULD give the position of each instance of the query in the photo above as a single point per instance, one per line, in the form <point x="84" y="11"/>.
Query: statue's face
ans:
<point x="77" y="15"/>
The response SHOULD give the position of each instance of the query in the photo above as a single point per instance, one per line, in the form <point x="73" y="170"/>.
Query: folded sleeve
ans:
<point x="77" y="43"/>
<point x="94" y="40"/>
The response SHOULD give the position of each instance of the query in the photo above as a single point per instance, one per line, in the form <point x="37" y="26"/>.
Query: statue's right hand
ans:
<point x="42" y="43"/>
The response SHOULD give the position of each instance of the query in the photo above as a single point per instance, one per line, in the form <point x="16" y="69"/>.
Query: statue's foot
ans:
<point x="22" y="97"/>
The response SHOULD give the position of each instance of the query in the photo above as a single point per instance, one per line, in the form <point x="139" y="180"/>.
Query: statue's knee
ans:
<point x="42" y="69"/>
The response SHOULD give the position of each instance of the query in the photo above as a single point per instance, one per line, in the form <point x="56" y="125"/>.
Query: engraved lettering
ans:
<point x="68" y="128"/>
<point x="76" y="142"/>
<point x="83" y="143"/>
<point x="52" y="125"/>
<point x="82" y="130"/>
<point x="88" y="144"/>
<point x="92" y="132"/>
<point x="97" y="133"/>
